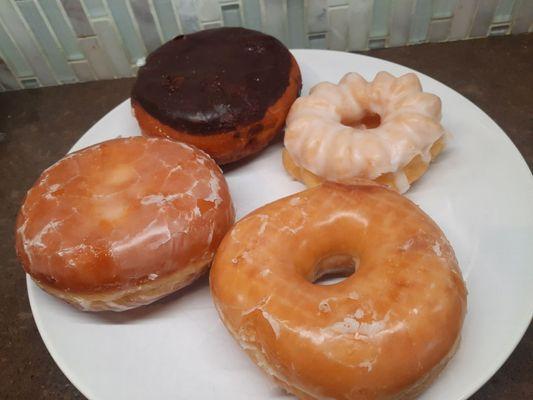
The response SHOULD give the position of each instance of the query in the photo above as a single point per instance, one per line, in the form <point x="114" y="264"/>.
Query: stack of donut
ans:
<point x="128" y="221"/>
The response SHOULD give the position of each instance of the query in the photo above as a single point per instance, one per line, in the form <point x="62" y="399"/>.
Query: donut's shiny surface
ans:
<point x="107" y="223"/>
<point x="382" y="333"/>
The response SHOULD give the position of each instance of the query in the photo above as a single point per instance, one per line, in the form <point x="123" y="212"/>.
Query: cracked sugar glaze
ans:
<point x="385" y="330"/>
<point x="123" y="213"/>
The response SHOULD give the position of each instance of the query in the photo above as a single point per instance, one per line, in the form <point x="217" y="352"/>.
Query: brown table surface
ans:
<point x="40" y="125"/>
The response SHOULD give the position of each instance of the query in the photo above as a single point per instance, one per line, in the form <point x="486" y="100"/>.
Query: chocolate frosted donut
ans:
<point x="226" y="91"/>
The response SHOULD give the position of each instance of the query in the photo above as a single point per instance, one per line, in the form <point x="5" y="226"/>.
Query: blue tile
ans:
<point x="420" y="21"/>
<point x="95" y="8"/>
<point x="504" y="11"/>
<point x="48" y="45"/>
<point x="13" y="56"/>
<point x="167" y="19"/>
<point x="252" y="14"/>
<point x="296" y="17"/>
<point x="231" y="14"/>
<point x="78" y="18"/>
<point x="30" y="83"/>
<point x="63" y="31"/>
<point x="380" y="18"/>
<point x="127" y="30"/>
<point x="188" y="16"/>
<point x="146" y="23"/>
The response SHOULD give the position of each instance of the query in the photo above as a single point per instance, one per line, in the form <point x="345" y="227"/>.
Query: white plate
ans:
<point x="480" y="191"/>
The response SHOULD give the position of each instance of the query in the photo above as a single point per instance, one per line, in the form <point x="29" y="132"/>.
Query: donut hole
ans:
<point x="369" y="121"/>
<point x="334" y="269"/>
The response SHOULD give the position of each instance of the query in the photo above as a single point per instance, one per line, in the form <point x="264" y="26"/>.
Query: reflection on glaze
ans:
<point x="401" y="310"/>
<point x="121" y="213"/>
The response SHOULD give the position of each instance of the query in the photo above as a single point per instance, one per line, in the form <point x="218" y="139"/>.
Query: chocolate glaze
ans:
<point x="214" y="80"/>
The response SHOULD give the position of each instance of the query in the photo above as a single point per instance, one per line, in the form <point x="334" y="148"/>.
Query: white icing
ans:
<point x="318" y="141"/>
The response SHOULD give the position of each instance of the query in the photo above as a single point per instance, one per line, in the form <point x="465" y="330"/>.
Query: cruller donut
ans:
<point x="387" y="130"/>
<point x="226" y="91"/>
<point x="123" y="223"/>
<point x="385" y="332"/>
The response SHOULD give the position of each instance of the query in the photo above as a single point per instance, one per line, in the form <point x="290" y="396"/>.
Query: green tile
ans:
<point x="317" y="41"/>
<point x="380" y="18"/>
<point x="30" y="83"/>
<point x="146" y="23"/>
<point x="443" y="8"/>
<point x="127" y="30"/>
<point x="16" y="28"/>
<point x="420" y="21"/>
<point x="95" y="8"/>
<point x="6" y="77"/>
<point x="63" y="31"/>
<point x="252" y="14"/>
<point x="296" y="17"/>
<point x="504" y="11"/>
<point x="188" y="15"/>
<point x="167" y="19"/>
<point x="231" y="14"/>
<point x="12" y="55"/>
<point x="44" y="37"/>
<point x="499" y="29"/>
<point x="78" y="18"/>
<point x="377" y="43"/>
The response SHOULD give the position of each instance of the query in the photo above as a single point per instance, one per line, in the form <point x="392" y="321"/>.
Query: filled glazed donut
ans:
<point x="387" y="130"/>
<point x="384" y="332"/>
<point x="123" y="223"/>
<point x="227" y="91"/>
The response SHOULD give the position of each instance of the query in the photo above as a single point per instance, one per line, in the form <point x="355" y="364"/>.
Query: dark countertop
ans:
<point x="42" y="124"/>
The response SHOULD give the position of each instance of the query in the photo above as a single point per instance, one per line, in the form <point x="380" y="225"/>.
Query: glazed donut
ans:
<point x="386" y="130"/>
<point x="123" y="223"/>
<point x="384" y="332"/>
<point x="226" y="91"/>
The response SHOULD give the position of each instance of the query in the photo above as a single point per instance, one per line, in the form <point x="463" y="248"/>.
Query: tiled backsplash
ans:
<point x="50" y="42"/>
